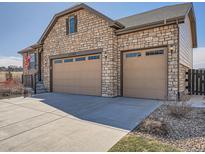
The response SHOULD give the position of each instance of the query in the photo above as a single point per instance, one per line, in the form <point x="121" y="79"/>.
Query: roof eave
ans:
<point x="151" y="25"/>
<point x="31" y="48"/>
<point x="116" y="25"/>
<point x="192" y="17"/>
<point x="25" y="51"/>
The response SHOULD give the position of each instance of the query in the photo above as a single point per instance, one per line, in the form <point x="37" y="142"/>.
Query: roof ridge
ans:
<point x="145" y="12"/>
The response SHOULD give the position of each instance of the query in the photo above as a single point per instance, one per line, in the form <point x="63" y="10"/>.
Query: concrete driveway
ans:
<point x="62" y="122"/>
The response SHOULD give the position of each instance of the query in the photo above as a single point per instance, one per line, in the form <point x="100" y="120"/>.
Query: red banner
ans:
<point x="27" y="61"/>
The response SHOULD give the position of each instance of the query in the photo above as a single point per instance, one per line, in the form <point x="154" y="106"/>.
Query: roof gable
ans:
<point x="172" y="13"/>
<point x="111" y="22"/>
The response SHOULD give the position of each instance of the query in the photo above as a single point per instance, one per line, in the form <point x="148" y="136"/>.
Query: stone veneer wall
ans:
<point x="150" y="38"/>
<point x="93" y="33"/>
<point x="182" y="76"/>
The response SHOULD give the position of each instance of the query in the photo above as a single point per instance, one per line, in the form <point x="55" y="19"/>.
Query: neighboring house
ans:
<point x="144" y="56"/>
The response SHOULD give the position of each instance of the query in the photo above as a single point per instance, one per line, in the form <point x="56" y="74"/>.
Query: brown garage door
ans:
<point x="78" y="75"/>
<point x="145" y="74"/>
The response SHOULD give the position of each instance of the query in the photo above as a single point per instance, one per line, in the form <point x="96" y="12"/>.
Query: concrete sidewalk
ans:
<point x="62" y="122"/>
<point x="197" y="101"/>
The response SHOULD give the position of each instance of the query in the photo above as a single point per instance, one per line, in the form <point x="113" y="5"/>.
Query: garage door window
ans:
<point x="68" y="60"/>
<point x="136" y="54"/>
<point x="58" y="61"/>
<point x="80" y="59"/>
<point x="156" y="52"/>
<point x="93" y="57"/>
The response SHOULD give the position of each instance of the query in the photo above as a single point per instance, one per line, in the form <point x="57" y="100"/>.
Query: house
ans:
<point x="144" y="56"/>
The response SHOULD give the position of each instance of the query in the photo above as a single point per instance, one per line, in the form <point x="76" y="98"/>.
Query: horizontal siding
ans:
<point x="185" y="46"/>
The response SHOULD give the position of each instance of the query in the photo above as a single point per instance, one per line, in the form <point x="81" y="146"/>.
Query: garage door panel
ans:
<point x="155" y="64"/>
<point x="145" y="84"/>
<point x="145" y="76"/>
<point x="140" y="94"/>
<point x="78" y="77"/>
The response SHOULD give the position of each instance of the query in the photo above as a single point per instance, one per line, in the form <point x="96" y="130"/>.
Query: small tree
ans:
<point x="8" y="76"/>
<point x="180" y="108"/>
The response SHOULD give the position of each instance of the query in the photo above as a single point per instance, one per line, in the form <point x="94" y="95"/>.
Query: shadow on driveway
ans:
<point x="119" y="112"/>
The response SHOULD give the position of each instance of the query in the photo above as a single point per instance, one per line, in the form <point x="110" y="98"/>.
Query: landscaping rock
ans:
<point x="187" y="132"/>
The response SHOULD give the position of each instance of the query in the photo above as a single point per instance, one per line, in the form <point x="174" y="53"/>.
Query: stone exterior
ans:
<point x="95" y="33"/>
<point x="161" y="36"/>
<point x="182" y="77"/>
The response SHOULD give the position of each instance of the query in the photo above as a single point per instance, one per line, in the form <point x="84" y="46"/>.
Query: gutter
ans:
<point x="150" y="25"/>
<point x="31" y="48"/>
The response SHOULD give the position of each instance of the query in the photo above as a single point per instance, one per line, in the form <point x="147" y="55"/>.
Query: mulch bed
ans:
<point x="186" y="132"/>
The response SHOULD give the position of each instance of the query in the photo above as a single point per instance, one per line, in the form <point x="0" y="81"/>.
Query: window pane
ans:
<point x="136" y="54"/>
<point x="72" y="24"/>
<point x="156" y="52"/>
<point x="58" y="61"/>
<point x="68" y="60"/>
<point x="32" y="62"/>
<point x="80" y="59"/>
<point x="93" y="57"/>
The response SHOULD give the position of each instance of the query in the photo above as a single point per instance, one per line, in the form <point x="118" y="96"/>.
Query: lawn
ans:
<point x="136" y="143"/>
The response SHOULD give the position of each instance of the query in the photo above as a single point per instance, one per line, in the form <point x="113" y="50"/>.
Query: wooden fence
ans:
<point x="196" y="81"/>
<point x="15" y="76"/>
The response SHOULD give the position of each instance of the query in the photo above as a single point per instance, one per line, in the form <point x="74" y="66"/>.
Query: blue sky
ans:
<point x="22" y="24"/>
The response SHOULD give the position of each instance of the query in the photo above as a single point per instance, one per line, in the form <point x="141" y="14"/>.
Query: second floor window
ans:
<point x="71" y="24"/>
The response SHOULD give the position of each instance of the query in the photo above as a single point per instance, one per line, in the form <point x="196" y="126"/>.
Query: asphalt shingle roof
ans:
<point x="160" y="14"/>
<point x="130" y="22"/>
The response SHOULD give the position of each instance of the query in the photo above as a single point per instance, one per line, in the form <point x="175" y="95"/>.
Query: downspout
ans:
<point x="178" y="92"/>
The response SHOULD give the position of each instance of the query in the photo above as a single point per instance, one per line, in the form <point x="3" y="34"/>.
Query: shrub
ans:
<point x="11" y="87"/>
<point x="180" y="108"/>
<point x="8" y="76"/>
<point x="156" y="127"/>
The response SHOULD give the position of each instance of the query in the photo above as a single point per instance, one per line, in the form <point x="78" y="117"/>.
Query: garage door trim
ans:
<point x="122" y="52"/>
<point x="72" y="55"/>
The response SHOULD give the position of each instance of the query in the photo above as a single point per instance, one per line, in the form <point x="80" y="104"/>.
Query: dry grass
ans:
<point x="15" y="75"/>
<point x="137" y="143"/>
<point x="12" y="86"/>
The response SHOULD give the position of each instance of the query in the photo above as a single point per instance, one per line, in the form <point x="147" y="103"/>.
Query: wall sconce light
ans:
<point x="105" y="56"/>
<point x="171" y="48"/>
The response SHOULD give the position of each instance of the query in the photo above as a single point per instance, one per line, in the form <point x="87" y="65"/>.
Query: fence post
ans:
<point x="22" y="79"/>
<point x="189" y="81"/>
<point x="197" y="81"/>
<point x="193" y="79"/>
<point x="34" y="83"/>
<point x="31" y="77"/>
<point x="204" y="82"/>
<point x="200" y="82"/>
